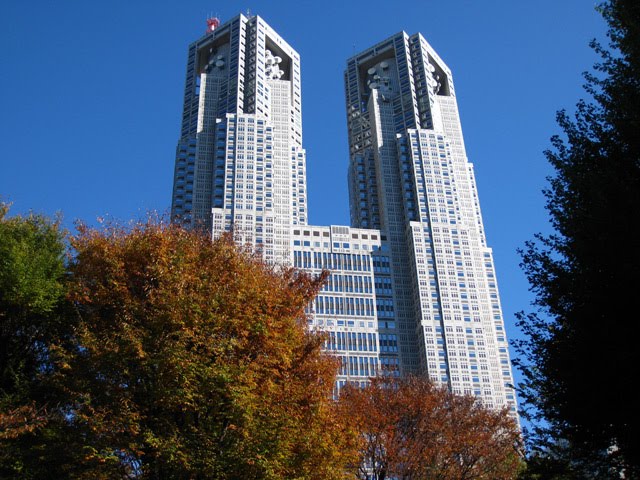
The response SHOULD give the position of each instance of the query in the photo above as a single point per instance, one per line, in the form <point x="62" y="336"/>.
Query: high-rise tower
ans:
<point x="409" y="177"/>
<point x="240" y="159"/>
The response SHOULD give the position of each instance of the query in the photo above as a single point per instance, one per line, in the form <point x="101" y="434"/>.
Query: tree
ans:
<point x="32" y="290"/>
<point x="410" y="428"/>
<point x="192" y="359"/>
<point x="550" y="465"/>
<point x="31" y="271"/>
<point x="158" y="353"/>
<point x="579" y="352"/>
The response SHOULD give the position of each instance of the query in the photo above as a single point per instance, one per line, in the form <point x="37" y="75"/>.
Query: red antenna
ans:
<point x="212" y="24"/>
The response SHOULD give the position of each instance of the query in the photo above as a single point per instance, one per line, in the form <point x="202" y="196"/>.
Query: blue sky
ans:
<point x="91" y="93"/>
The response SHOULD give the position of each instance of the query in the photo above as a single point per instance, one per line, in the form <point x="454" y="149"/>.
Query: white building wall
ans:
<point x="450" y="326"/>
<point x="247" y="173"/>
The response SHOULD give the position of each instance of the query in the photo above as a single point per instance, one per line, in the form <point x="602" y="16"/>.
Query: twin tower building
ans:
<point x="412" y="286"/>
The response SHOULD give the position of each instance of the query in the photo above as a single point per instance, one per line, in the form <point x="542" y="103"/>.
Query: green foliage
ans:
<point x="31" y="287"/>
<point x="548" y="467"/>
<point x="579" y="354"/>
<point x="31" y="263"/>
<point x="31" y="295"/>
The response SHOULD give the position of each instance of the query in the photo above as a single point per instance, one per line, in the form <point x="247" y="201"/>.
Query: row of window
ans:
<point x="331" y="305"/>
<point x="348" y="283"/>
<point x="352" y="341"/>
<point x="358" y="366"/>
<point x="332" y="261"/>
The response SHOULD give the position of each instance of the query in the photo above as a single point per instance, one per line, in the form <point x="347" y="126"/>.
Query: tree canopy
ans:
<point x="31" y="295"/>
<point x="187" y="358"/>
<point x="409" y="428"/>
<point x="578" y="356"/>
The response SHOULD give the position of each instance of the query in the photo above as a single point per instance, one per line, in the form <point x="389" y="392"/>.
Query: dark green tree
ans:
<point x="579" y="356"/>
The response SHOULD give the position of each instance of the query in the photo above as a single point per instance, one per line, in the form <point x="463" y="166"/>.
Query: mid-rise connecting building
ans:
<point x="412" y="287"/>
<point x="356" y="299"/>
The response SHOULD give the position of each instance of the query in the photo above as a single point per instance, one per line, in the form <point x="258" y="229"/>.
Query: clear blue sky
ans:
<point x="91" y="98"/>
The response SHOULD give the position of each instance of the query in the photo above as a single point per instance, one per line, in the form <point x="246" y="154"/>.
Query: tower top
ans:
<point x="212" y="24"/>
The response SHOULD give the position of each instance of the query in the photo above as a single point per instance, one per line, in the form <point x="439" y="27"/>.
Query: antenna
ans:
<point x="212" y="24"/>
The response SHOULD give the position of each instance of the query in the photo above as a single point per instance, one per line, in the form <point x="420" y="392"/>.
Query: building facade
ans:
<point x="412" y="287"/>
<point x="410" y="178"/>
<point x="240" y="160"/>
<point x="354" y="301"/>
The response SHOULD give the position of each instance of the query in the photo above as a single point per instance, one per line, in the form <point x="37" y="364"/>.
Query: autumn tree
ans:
<point x="158" y="354"/>
<point x="409" y="428"/>
<point x="579" y="354"/>
<point x="191" y="359"/>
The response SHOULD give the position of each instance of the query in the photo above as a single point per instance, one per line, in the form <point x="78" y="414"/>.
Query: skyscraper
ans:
<point x="240" y="159"/>
<point x="410" y="178"/>
<point x="412" y="285"/>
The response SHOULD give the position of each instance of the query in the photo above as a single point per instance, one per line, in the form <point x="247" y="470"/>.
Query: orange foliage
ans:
<point x="21" y="420"/>
<point x="412" y="429"/>
<point x="192" y="359"/>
